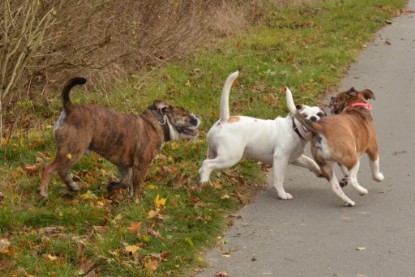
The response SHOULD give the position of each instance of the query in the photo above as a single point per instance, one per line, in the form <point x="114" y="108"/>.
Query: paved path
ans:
<point x="314" y="235"/>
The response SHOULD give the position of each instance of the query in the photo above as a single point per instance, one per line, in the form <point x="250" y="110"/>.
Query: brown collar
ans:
<point x="163" y="122"/>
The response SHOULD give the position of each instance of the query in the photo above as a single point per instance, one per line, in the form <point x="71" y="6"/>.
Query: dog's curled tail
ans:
<point x="312" y="126"/>
<point x="66" y="101"/>
<point x="224" y="100"/>
<point x="290" y="101"/>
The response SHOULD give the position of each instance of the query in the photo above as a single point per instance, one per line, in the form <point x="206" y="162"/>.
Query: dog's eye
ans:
<point x="305" y="115"/>
<point x="320" y="115"/>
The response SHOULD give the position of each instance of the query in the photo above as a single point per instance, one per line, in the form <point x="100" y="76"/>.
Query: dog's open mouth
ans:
<point x="306" y="132"/>
<point x="190" y="131"/>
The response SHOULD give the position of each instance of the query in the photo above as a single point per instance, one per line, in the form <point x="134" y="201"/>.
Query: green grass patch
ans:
<point x="306" y="47"/>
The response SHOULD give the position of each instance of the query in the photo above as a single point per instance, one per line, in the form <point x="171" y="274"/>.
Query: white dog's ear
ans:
<point x="298" y="107"/>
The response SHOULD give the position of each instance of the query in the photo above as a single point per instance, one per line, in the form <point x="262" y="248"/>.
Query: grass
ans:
<point x="305" y="47"/>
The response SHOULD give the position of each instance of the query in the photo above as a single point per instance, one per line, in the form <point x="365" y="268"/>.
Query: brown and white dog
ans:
<point x="343" y="137"/>
<point x="129" y="141"/>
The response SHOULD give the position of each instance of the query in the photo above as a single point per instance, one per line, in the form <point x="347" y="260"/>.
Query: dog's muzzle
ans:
<point x="191" y="130"/>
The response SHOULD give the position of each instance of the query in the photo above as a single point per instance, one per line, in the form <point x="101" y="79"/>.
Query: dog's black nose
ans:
<point x="194" y="120"/>
<point x="313" y="118"/>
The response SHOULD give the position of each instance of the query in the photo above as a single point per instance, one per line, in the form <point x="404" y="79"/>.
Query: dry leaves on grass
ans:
<point x="159" y="204"/>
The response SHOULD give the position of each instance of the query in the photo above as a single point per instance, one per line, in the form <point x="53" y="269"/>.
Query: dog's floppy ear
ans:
<point x="299" y="107"/>
<point x="368" y="94"/>
<point x="352" y="92"/>
<point x="159" y="105"/>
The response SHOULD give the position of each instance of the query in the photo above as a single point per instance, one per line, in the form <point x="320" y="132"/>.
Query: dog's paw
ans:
<point x="378" y="177"/>
<point x="363" y="191"/>
<point x="344" y="182"/>
<point x="112" y="186"/>
<point x="350" y="203"/>
<point x="73" y="187"/>
<point x="44" y="197"/>
<point x="285" y="196"/>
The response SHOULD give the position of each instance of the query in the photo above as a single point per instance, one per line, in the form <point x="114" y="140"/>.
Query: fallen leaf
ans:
<point x="360" y="248"/>
<point x="221" y="274"/>
<point x="89" y="195"/>
<point x="152" y="214"/>
<point x="87" y="266"/>
<point x="151" y="264"/>
<point x="6" y="265"/>
<point x="4" y="246"/>
<point x="189" y="241"/>
<point x="51" y="229"/>
<point x="225" y="196"/>
<point x="134" y="227"/>
<point x="100" y="229"/>
<point x="151" y="187"/>
<point x="131" y="248"/>
<point x="405" y="12"/>
<point x="51" y="257"/>
<point x="31" y="169"/>
<point x="217" y="185"/>
<point x="159" y="202"/>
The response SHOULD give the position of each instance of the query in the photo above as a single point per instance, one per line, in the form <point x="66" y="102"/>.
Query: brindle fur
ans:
<point x="128" y="141"/>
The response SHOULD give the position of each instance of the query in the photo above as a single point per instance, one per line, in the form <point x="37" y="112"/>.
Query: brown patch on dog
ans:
<point x="234" y="119"/>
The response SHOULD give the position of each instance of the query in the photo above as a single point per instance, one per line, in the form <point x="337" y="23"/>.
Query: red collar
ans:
<point x="362" y="104"/>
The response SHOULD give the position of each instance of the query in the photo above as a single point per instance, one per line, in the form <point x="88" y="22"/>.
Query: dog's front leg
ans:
<point x="139" y="173"/>
<point x="306" y="162"/>
<point x="278" y="168"/>
<point x="124" y="181"/>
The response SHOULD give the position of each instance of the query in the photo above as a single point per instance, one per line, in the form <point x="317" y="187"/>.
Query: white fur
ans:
<point x="273" y="142"/>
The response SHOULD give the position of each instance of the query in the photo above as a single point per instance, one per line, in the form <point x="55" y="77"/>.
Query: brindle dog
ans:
<point x="129" y="141"/>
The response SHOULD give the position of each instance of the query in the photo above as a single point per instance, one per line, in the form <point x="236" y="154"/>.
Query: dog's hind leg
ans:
<point x="373" y="154"/>
<point x="67" y="179"/>
<point x="327" y="171"/>
<point x="345" y="180"/>
<point x="353" y="179"/>
<point x="219" y="162"/>
<point x="374" y="165"/>
<point x="62" y="164"/>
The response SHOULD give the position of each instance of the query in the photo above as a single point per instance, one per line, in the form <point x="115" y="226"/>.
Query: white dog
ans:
<point x="277" y="142"/>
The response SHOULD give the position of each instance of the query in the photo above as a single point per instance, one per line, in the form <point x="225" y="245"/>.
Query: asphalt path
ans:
<point x="314" y="234"/>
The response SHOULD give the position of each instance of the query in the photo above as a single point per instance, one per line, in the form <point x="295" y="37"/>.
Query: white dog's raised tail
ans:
<point x="224" y="100"/>
<point x="290" y="101"/>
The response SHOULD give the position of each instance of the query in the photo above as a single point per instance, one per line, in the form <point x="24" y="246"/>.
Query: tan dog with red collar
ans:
<point x="128" y="141"/>
<point x="342" y="138"/>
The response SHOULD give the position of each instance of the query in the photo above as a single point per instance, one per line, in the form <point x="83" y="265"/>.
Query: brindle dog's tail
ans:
<point x="312" y="126"/>
<point x="66" y="101"/>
